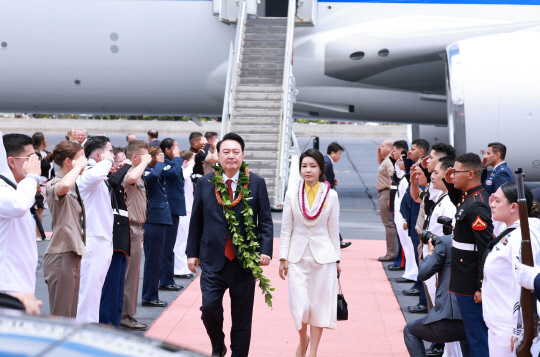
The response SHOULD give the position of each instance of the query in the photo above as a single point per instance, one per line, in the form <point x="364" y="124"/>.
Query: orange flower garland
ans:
<point x="239" y="198"/>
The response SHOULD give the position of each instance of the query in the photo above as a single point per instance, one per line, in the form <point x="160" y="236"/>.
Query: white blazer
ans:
<point x="322" y="238"/>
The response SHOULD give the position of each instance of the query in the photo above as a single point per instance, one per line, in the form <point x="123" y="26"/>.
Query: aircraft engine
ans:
<point x="493" y="87"/>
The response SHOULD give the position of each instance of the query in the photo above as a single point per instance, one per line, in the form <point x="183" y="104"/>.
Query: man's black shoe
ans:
<point x="154" y="303"/>
<point x="184" y="276"/>
<point x="344" y="245"/>
<point x="436" y="351"/>
<point x="220" y="354"/>
<point x="417" y="309"/>
<point x="405" y="280"/>
<point x="411" y="292"/>
<point x="172" y="287"/>
<point x="394" y="267"/>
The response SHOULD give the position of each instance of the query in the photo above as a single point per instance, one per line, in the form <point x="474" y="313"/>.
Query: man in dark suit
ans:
<point x="153" y="138"/>
<point x="174" y="188"/>
<point x="333" y="154"/>
<point x="443" y="323"/>
<point x="209" y="247"/>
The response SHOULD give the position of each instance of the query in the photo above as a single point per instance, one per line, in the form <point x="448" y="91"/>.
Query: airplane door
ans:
<point x="306" y="10"/>
<point x="277" y="8"/>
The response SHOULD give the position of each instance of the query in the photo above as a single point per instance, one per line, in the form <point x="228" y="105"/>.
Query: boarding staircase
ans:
<point x="259" y="97"/>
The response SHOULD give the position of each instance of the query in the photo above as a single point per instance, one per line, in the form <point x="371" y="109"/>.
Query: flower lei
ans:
<point x="247" y="247"/>
<point x="300" y="205"/>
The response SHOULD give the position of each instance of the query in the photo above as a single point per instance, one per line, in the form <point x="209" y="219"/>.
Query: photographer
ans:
<point x="443" y="323"/>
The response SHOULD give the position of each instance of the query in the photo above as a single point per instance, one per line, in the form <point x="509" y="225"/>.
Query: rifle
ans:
<point x="528" y="300"/>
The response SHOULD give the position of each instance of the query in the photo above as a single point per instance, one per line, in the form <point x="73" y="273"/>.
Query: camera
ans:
<point x="447" y="230"/>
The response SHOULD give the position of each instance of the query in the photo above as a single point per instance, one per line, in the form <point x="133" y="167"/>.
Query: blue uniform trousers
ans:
<point x="112" y="294"/>
<point x="241" y="285"/>
<point x="154" y="238"/>
<point x="475" y="327"/>
<point x="167" y="267"/>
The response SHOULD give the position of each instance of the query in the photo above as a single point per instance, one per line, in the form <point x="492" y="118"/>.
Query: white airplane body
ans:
<point x="362" y="61"/>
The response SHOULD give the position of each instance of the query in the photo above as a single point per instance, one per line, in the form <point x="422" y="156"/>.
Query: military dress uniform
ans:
<point x="500" y="174"/>
<point x="472" y="234"/>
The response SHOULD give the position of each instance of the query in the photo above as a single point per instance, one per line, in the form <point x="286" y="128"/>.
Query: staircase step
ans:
<point x="261" y="155"/>
<point x="259" y="80"/>
<point x="262" y="164"/>
<point x="265" y="36"/>
<point x="261" y="138"/>
<point x="256" y="121"/>
<point x="267" y="21"/>
<point x="266" y="105"/>
<point x="265" y="173"/>
<point x="263" y="44"/>
<point x="262" y="58"/>
<point x="257" y="96"/>
<point x="275" y="66"/>
<point x="252" y="129"/>
<point x="257" y="146"/>
<point x="263" y="51"/>
<point x="253" y="113"/>
<point x="262" y="73"/>
<point x="258" y="89"/>
<point x="266" y="29"/>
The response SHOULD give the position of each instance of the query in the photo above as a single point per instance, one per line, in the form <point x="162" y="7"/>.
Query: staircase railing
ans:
<point x="288" y="99"/>
<point x="234" y="67"/>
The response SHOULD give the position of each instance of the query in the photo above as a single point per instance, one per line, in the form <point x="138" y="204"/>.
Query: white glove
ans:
<point x="526" y="275"/>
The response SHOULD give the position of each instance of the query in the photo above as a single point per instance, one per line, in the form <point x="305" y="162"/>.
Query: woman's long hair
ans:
<point x="316" y="154"/>
<point x="62" y="151"/>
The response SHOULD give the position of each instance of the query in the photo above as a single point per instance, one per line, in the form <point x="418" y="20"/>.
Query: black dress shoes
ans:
<point x="394" y="267"/>
<point x="184" y="276"/>
<point x="344" y="245"/>
<point x="404" y="280"/>
<point x="220" y="354"/>
<point x="411" y="292"/>
<point x="154" y="303"/>
<point x="172" y="287"/>
<point x="435" y="351"/>
<point x="417" y="309"/>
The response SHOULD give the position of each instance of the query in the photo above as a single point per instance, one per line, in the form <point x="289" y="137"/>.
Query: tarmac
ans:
<point x="377" y="307"/>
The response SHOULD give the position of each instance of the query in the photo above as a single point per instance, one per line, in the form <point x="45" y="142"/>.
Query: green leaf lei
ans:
<point x="247" y="247"/>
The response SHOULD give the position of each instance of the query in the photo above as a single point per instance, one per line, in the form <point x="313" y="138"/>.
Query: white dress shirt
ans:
<point x="97" y="200"/>
<point x="234" y="179"/>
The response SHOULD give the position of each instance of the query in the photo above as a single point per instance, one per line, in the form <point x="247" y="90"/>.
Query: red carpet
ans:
<point x="374" y="328"/>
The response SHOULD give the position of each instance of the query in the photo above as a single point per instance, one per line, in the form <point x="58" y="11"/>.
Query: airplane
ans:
<point x="461" y="71"/>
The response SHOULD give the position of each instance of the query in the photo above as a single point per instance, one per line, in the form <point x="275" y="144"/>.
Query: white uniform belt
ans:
<point x="464" y="246"/>
<point x="393" y="187"/>
<point x="120" y="212"/>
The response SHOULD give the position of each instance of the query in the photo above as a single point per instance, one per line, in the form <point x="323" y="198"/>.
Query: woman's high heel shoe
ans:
<point x="306" y="347"/>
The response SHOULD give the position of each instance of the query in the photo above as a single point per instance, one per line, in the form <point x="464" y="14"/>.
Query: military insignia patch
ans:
<point x="167" y="167"/>
<point x="479" y="224"/>
<point x="147" y="173"/>
<point x="489" y="182"/>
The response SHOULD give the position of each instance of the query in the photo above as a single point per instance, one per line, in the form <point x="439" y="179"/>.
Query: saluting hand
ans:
<point x="485" y="162"/>
<point x="146" y="159"/>
<point x="176" y="151"/>
<point x="107" y="155"/>
<point x="161" y="157"/>
<point x="425" y="162"/>
<point x="448" y="175"/>
<point x="32" y="166"/>
<point x="81" y="162"/>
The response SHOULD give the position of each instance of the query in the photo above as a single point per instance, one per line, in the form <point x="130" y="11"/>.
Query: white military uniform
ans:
<point x="99" y="248"/>
<point x="500" y="289"/>
<point x="411" y="269"/>
<point x="180" y="257"/>
<point x="18" y="249"/>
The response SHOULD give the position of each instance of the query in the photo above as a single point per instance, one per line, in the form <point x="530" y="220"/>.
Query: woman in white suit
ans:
<point x="309" y="252"/>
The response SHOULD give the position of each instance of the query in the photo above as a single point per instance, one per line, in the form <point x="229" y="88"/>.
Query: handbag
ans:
<point x="342" y="310"/>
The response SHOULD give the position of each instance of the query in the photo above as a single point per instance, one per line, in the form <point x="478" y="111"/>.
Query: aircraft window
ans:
<point x="384" y="52"/>
<point x="77" y="82"/>
<point x="357" y="56"/>
<point x="4" y="44"/>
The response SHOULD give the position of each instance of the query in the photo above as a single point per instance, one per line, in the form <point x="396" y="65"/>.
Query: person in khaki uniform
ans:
<point x="136" y="201"/>
<point x="62" y="260"/>
<point x="386" y="170"/>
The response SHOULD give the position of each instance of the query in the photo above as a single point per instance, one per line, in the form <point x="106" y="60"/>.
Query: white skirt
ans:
<point x="313" y="292"/>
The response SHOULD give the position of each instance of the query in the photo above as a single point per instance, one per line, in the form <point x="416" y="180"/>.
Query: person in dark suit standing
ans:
<point x="158" y="219"/>
<point x="174" y="188"/>
<point x="210" y="247"/>
<point x="444" y="322"/>
<point x="333" y="154"/>
<point x="153" y="138"/>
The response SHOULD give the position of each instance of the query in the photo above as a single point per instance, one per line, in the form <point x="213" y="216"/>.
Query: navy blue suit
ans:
<point x="496" y="178"/>
<point x="174" y="188"/>
<point x="329" y="170"/>
<point x="159" y="218"/>
<point x="208" y="231"/>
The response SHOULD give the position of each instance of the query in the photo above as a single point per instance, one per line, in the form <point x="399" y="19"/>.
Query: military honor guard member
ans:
<point x="384" y="182"/>
<point x="211" y="247"/>
<point x="472" y="234"/>
<point x="137" y="206"/>
<point x="94" y="191"/>
<point x="19" y="180"/>
<point x="155" y="228"/>
<point x="62" y="259"/>
<point x="494" y="157"/>
<point x="174" y="188"/>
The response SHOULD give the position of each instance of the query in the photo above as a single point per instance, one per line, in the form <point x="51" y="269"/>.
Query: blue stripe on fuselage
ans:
<point x="456" y="2"/>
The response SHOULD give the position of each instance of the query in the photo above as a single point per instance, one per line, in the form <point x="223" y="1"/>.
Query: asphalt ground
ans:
<point x="359" y="216"/>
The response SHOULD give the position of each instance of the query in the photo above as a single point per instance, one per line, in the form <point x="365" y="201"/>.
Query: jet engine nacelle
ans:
<point x="493" y="88"/>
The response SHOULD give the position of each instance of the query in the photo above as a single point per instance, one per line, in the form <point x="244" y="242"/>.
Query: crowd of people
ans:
<point x="454" y="231"/>
<point x="105" y="202"/>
